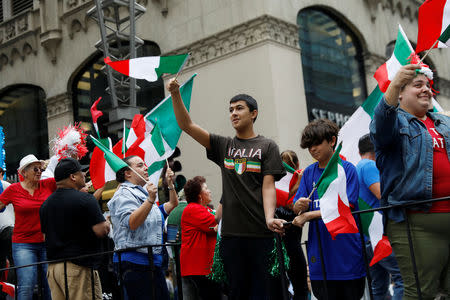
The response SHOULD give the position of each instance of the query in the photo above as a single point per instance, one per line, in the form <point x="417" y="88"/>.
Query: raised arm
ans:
<point x="182" y="115"/>
<point x="138" y="216"/>
<point x="173" y="197"/>
<point x="383" y="127"/>
<point x="403" y="76"/>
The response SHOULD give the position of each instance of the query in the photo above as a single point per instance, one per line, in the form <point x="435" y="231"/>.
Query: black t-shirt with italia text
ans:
<point x="244" y="163"/>
<point x="67" y="217"/>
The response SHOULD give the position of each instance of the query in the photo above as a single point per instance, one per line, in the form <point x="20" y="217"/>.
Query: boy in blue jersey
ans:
<point x="369" y="191"/>
<point x="342" y="257"/>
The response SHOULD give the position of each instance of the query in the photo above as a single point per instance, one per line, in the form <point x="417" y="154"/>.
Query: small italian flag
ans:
<point x="357" y="126"/>
<point x="149" y="68"/>
<point x="8" y="289"/>
<point x="283" y="185"/>
<point x="161" y="133"/>
<point x="103" y="165"/>
<point x="434" y="25"/>
<point x="372" y="226"/>
<point x="399" y="58"/>
<point x="334" y="204"/>
<point x="96" y="114"/>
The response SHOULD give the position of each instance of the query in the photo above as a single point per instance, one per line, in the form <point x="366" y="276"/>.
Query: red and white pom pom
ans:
<point x="70" y="142"/>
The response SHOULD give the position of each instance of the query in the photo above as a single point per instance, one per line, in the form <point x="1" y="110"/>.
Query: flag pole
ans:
<point x="140" y="176"/>
<point x="428" y="51"/>
<point x="123" y="140"/>
<point x="182" y="66"/>
<point x="309" y="197"/>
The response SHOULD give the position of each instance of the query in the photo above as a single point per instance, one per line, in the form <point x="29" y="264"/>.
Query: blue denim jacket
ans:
<point x="127" y="199"/>
<point x="404" y="155"/>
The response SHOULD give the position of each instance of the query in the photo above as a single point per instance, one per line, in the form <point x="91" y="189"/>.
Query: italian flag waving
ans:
<point x="372" y="226"/>
<point x="283" y="186"/>
<point x="100" y="169"/>
<point x="434" y="25"/>
<point x="149" y="68"/>
<point x="334" y="204"/>
<point x="402" y="52"/>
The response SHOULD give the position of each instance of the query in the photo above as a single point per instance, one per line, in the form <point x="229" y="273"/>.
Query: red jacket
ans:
<point x="197" y="240"/>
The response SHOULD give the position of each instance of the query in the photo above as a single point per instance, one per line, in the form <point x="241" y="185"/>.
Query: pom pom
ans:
<point x="425" y="69"/>
<point x="70" y="142"/>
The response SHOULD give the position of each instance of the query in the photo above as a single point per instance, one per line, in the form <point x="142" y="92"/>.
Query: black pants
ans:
<point x="247" y="265"/>
<point x="137" y="283"/>
<point x="297" y="262"/>
<point x="339" y="289"/>
<point x="5" y="250"/>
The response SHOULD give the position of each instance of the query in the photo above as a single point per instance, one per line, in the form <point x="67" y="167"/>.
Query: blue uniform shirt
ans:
<point x="342" y="256"/>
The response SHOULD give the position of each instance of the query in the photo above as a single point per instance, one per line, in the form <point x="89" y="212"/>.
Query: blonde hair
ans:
<point x="290" y="158"/>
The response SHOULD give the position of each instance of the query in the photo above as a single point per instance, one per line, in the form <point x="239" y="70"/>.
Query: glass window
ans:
<point x="333" y="68"/>
<point x="19" y="6"/>
<point x="23" y="115"/>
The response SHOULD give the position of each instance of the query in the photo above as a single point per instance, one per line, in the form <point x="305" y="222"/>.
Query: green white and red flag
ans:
<point x="136" y="133"/>
<point x="334" y="204"/>
<point x="101" y="168"/>
<point x="400" y="57"/>
<point x="149" y="68"/>
<point x="125" y="134"/>
<point x="372" y="226"/>
<point x="8" y="289"/>
<point x="162" y="133"/>
<point x="434" y="25"/>
<point x="96" y="114"/>
<point x="358" y="124"/>
<point x="283" y="185"/>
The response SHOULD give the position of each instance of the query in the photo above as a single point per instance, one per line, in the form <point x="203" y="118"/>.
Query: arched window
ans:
<point x="333" y="66"/>
<point x="91" y="83"/>
<point x="23" y="115"/>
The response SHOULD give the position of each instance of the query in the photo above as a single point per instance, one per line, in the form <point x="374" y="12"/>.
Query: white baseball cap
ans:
<point x="27" y="160"/>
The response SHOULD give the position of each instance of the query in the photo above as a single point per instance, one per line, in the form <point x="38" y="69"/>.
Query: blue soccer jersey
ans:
<point x="343" y="256"/>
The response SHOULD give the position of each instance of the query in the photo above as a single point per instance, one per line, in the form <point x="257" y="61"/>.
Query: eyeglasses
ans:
<point x="36" y="169"/>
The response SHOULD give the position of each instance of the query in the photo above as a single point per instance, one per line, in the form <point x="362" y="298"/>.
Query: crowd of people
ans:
<point x="404" y="159"/>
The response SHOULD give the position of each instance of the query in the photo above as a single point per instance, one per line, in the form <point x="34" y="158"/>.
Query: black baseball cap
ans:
<point x="66" y="167"/>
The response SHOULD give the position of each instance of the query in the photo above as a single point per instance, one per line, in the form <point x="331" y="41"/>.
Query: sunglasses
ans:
<point x="36" y="169"/>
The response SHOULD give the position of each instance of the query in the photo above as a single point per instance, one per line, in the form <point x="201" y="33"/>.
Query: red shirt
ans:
<point x="27" y="228"/>
<point x="441" y="169"/>
<point x="198" y="240"/>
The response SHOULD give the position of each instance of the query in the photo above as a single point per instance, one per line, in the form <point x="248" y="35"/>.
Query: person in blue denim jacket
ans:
<point x="412" y="148"/>
<point x="138" y="221"/>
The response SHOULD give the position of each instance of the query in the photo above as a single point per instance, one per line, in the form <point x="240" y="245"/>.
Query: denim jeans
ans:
<point x="27" y="278"/>
<point x="381" y="280"/>
<point x="136" y="281"/>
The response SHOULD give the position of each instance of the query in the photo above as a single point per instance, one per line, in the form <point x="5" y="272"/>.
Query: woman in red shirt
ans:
<point x="27" y="241"/>
<point x="198" y="239"/>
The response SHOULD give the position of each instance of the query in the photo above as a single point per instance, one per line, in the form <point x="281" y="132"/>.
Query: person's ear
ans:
<point x="333" y="141"/>
<point x="254" y="114"/>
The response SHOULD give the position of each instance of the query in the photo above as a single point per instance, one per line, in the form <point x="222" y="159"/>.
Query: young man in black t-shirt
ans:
<point x="72" y="224"/>
<point x="250" y="164"/>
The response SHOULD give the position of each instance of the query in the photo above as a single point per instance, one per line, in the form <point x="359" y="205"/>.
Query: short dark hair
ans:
<point x="317" y="131"/>
<point x="192" y="188"/>
<point x="365" y="145"/>
<point x="249" y="100"/>
<point x="120" y="175"/>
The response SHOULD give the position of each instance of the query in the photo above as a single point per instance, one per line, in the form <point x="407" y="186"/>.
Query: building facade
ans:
<point x="301" y="59"/>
